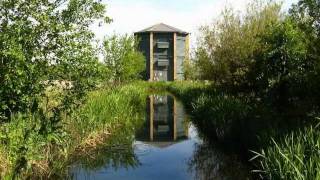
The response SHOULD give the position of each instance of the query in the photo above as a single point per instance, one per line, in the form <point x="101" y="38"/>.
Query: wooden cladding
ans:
<point x="165" y="54"/>
<point x="174" y="56"/>
<point x="151" y="58"/>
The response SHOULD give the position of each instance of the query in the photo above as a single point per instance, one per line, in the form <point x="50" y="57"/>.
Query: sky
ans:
<point x="133" y="15"/>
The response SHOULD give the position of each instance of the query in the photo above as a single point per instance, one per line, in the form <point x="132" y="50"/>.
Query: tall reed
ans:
<point x="295" y="156"/>
<point x="41" y="145"/>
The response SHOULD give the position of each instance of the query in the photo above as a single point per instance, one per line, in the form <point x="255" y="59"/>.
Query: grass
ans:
<point x="288" y="145"/>
<point x="41" y="145"/>
<point x="26" y="149"/>
<point x="294" y="156"/>
<point x="105" y="111"/>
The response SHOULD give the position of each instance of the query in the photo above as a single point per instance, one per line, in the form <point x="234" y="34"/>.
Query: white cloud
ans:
<point x="131" y="16"/>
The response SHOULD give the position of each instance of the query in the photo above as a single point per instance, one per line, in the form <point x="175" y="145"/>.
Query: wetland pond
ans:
<point x="165" y="146"/>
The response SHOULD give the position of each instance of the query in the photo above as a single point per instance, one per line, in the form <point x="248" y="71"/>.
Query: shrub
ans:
<point x="122" y="59"/>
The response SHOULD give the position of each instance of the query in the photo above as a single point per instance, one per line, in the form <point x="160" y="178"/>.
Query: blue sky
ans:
<point x="133" y="15"/>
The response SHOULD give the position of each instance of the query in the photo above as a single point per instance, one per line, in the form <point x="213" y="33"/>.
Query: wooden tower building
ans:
<point x="166" y="49"/>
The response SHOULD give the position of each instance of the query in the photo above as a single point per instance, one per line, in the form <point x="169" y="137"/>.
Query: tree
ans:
<point x="122" y="58"/>
<point x="227" y="47"/>
<point x="306" y="14"/>
<point x="283" y="66"/>
<point x="42" y="41"/>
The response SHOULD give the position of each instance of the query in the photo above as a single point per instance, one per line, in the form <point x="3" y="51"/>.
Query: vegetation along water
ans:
<point x="72" y="107"/>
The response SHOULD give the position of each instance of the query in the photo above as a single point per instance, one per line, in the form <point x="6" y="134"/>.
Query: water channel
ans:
<point x="166" y="146"/>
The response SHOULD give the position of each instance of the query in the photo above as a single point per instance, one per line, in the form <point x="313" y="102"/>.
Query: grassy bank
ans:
<point x="43" y="144"/>
<point x="282" y="144"/>
<point x="293" y="156"/>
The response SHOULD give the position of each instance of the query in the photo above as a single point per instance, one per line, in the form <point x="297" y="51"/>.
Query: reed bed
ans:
<point x="283" y="148"/>
<point x="37" y="145"/>
<point x="295" y="156"/>
<point x="41" y="145"/>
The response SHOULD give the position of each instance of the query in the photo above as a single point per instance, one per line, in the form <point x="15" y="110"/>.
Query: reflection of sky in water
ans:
<point x="159" y="163"/>
<point x="163" y="158"/>
<point x="193" y="134"/>
<point x="155" y="163"/>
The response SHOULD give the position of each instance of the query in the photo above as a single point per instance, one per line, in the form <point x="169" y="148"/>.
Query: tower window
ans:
<point x="163" y="45"/>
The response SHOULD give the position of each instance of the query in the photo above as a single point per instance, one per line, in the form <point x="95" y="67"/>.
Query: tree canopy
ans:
<point x="44" y="40"/>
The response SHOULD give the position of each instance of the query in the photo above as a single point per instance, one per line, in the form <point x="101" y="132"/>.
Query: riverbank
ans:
<point x="45" y="144"/>
<point x="42" y="145"/>
<point x="279" y="144"/>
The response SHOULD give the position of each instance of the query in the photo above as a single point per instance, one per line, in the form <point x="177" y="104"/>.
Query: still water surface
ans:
<point x="166" y="146"/>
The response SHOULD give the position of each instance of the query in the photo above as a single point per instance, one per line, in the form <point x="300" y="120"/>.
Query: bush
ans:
<point x="41" y="42"/>
<point x="227" y="47"/>
<point x="41" y="145"/>
<point x="122" y="59"/>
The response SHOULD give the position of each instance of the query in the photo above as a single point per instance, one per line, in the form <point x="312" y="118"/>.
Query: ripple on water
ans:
<point x="141" y="149"/>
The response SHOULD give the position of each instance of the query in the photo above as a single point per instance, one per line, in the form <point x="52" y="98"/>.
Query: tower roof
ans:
<point x="161" y="27"/>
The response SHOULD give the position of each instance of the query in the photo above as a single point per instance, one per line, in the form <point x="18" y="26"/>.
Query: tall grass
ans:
<point x="295" y="156"/>
<point x="105" y="111"/>
<point x="288" y="147"/>
<point x="38" y="145"/>
<point x="43" y="145"/>
<point x="25" y="147"/>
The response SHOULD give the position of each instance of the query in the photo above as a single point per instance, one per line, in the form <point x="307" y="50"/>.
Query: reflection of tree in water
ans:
<point x="116" y="156"/>
<point x="117" y="152"/>
<point x="209" y="163"/>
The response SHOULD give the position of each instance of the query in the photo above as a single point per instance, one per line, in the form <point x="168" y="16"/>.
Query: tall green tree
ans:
<point x="122" y="58"/>
<point x="282" y="68"/>
<point x="42" y="41"/>
<point x="227" y="47"/>
<point x="306" y="13"/>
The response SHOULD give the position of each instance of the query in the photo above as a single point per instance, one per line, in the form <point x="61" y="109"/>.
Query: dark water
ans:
<point x="165" y="146"/>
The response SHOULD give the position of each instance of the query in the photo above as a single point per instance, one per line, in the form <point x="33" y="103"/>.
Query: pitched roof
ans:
<point x="161" y="27"/>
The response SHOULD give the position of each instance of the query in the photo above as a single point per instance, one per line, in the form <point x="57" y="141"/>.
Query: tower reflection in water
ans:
<point x="165" y="122"/>
<point x="163" y="146"/>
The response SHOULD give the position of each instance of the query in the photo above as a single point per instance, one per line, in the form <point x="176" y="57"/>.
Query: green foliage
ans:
<point x="295" y="156"/>
<point x="38" y="145"/>
<point x="288" y="147"/>
<point x="219" y="116"/>
<point x="287" y="69"/>
<point x="227" y="47"/>
<point x="26" y="142"/>
<point x="190" y="70"/>
<point x="42" y="41"/>
<point x="43" y="45"/>
<point x="306" y="15"/>
<point x="111" y="106"/>
<point x="283" y="64"/>
<point x="115" y="112"/>
<point x="122" y="59"/>
<point x="264" y="52"/>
